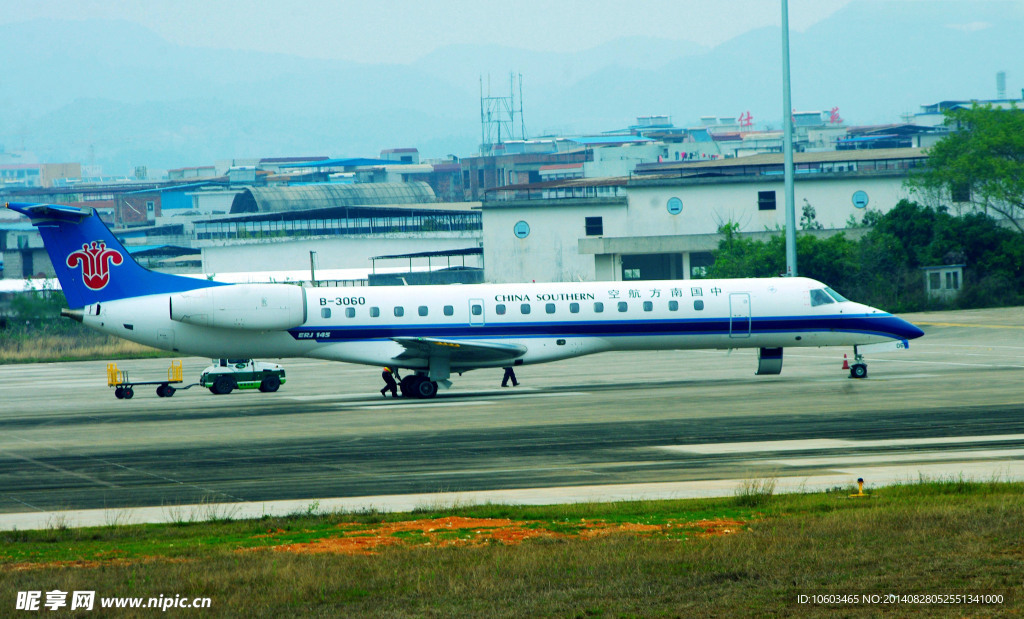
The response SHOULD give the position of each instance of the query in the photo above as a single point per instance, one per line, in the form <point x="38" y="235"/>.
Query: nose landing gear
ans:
<point x="858" y="369"/>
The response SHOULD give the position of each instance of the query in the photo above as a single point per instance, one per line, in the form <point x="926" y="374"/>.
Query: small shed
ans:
<point x="943" y="282"/>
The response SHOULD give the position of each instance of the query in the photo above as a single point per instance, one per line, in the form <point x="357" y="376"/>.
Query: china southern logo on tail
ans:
<point x="95" y="260"/>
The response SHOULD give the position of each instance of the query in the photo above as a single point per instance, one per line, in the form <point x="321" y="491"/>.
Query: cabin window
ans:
<point x="476" y="309"/>
<point x="623" y="306"/>
<point x="598" y="307"/>
<point x="648" y="306"/>
<point x="574" y="308"/>
<point x="449" y="310"/>
<point x="374" y="312"/>
<point x="524" y="308"/>
<point x="350" y="312"/>
<point x="399" y="311"/>
<point x="499" y="309"/>
<point x="549" y="308"/>
<point x="698" y="305"/>
<point x="325" y="312"/>
<point x="819" y="297"/>
<point x="673" y="306"/>
<point x="422" y="310"/>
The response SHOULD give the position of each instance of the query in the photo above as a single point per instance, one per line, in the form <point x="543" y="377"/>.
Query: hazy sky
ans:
<point x="402" y="30"/>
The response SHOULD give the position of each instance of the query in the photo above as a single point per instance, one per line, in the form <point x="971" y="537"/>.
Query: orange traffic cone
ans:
<point x="846" y="364"/>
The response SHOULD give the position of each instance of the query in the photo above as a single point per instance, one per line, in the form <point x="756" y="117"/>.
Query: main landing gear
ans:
<point x="418" y="386"/>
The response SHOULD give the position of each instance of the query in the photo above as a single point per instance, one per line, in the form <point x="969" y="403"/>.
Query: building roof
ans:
<point x="292" y="159"/>
<point x="776" y="159"/>
<point x="162" y="250"/>
<point x="180" y="187"/>
<point x="308" y="197"/>
<point x="352" y="162"/>
<point x="599" y="140"/>
<point x="469" y="251"/>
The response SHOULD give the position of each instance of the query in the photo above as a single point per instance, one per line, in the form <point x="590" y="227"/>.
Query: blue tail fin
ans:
<point x="90" y="263"/>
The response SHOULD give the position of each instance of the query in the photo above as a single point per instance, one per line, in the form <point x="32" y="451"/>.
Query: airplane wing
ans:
<point x="458" y="351"/>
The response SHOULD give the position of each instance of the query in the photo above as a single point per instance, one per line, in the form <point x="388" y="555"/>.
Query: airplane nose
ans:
<point x="905" y="330"/>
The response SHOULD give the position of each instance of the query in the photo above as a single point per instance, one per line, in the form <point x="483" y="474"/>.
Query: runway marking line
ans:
<point x="832" y="443"/>
<point x="52" y="467"/>
<point x="914" y="456"/>
<point x="134" y="470"/>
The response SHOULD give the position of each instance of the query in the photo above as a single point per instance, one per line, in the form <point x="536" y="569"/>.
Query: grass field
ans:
<point x="753" y="554"/>
<point x="76" y="345"/>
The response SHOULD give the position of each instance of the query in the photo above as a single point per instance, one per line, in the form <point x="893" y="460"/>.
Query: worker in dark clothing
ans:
<point x="389" y="383"/>
<point x="509" y="374"/>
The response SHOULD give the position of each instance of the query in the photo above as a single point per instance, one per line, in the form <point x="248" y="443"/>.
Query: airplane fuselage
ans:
<point x="438" y="330"/>
<point x="550" y="321"/>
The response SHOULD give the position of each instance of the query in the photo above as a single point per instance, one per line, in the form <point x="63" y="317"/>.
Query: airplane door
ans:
<point x="476" y="312"/>
<point x="739" y="314"/>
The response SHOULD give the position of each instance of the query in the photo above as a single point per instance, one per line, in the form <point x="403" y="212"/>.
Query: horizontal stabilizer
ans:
<point x="38" y="212"/>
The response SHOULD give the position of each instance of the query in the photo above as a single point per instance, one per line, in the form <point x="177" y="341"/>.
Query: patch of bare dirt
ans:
<point x="457" y="531"/>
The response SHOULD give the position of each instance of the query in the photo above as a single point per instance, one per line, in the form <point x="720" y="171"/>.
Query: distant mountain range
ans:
<point x="115" y="94"/>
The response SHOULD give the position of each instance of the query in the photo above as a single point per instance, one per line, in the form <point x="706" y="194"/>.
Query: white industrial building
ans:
<point x="665" y="225"/>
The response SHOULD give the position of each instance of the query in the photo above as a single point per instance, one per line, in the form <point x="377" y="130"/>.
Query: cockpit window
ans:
<point x="835" y="295"/>
<point x="819" y="297"/>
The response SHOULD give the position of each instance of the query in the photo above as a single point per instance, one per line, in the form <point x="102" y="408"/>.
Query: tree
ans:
<point x="809" y="219"/>
<point x="981" y="162"/>
<point x="737" y="256"/>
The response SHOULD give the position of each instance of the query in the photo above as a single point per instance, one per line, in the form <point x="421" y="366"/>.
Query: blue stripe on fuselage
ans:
<point x="872" y="324"/>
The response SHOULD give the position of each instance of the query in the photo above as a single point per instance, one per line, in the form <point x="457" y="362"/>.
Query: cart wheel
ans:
<point x="168" y="391"/>
<point x="128" y="393"/>
<point x="270" y="384"/>
<point x="160" y="390"/>
<point x="223" y="385"/>
<point x="119" y="393"/>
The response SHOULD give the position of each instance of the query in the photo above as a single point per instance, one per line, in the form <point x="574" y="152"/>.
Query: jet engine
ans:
<point x="255" y="307"/>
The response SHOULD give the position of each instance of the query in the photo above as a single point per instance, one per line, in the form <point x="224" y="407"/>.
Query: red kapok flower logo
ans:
<point x="95" y="260"/>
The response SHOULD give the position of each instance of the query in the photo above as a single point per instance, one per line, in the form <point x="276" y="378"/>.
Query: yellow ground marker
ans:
<point x="860" y="489"/>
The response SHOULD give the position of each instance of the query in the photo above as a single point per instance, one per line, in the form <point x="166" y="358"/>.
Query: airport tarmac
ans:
<point x="610" y="426"/>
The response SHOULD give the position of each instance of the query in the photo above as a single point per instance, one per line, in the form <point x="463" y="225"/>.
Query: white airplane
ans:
<point x="439" y="330"/>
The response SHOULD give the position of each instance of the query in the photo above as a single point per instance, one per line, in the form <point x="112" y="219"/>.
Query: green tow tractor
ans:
<point x="226" y="375"/>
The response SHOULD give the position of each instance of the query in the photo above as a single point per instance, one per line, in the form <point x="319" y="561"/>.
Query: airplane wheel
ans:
<point x="119" y="393"/>
<point x="223" y="385"/>
<point x="858" y="370"/>
<point x="426" y="389"/>
<point x="270" y="384"/>
<point x="408" y="386"/>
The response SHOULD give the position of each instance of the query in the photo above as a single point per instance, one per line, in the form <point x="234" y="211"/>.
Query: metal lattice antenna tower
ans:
<point x="498" y="114"/>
